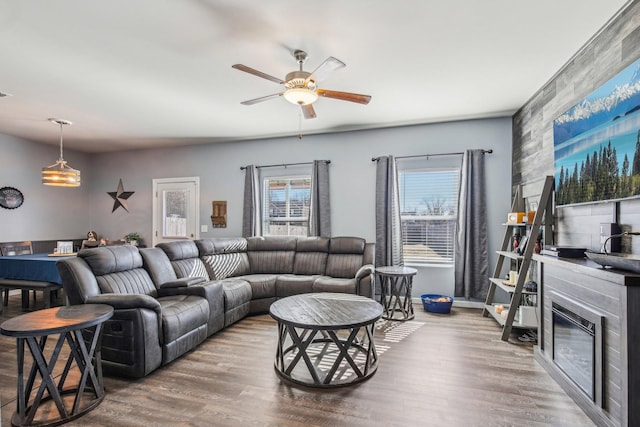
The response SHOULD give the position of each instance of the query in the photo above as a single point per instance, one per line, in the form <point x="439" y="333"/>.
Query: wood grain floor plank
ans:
<point x="450" y="370"/>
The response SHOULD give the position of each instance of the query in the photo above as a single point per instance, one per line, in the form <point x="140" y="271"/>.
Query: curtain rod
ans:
<point x="285" y="165"/>
<point x="489" y="151"/>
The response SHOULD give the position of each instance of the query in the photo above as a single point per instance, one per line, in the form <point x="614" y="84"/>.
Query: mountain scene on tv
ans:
<point x="597" y="143"/>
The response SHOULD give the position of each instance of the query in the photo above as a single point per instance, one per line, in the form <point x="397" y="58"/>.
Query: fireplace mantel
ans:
<point x="615" y="296"/>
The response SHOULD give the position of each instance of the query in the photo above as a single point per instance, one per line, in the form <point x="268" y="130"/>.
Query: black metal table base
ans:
<point x="326" y="358"/>
<point x="90" y="384"/>
<point x="52" y="394"/>
<point x="396" y="296"/>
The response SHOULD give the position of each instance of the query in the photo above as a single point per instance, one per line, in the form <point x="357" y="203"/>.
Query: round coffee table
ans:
<point x="395" y="291"/>
<point x="326" y="339"/>
<point x="60" y="404"/>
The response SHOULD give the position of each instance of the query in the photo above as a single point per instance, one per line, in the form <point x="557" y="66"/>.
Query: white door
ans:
<point x="176" y="212"/>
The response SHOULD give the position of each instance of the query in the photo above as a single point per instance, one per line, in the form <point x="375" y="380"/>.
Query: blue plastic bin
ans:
<point x="432" y="306"/>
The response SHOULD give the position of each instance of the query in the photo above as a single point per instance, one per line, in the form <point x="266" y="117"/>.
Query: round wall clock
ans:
<point x="10" y="198"/>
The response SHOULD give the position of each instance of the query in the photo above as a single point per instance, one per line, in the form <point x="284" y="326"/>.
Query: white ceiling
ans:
<point x="149" y="73"/>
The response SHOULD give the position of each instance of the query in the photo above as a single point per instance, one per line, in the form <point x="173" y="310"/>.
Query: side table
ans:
<point x="68" y="403"/>
<point x="395" y="291"/>
<point x="326" y="339"/>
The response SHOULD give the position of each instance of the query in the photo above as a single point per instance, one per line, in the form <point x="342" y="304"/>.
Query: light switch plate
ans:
<point x="204" y="228"/>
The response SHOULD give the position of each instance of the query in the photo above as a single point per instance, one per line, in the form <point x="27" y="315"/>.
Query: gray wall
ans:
<point x="352" y="175"/>
<point x="48" y="213"/>
<point x="617" y="46"/>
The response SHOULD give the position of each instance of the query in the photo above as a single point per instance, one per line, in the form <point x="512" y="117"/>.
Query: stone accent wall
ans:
<point x="610" y="51"/>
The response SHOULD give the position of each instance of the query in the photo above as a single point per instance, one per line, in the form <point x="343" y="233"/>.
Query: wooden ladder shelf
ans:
<point x="523" y="260"/>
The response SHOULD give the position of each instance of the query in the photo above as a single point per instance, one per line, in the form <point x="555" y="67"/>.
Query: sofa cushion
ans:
<point x="272" y="255"/>
<point x="179" y="249"/>
<point x="274" y="262"/>
<point x="273" y="243"/>
<point x="181" y="314"/>
<point x="347" y="245"/>
<point x="262" y="285"/>
<point x="222" y="245"/>
<point x="288" y="284"/>
<point x="343" y="265"/>
<point x="191" y="267"/>
<point x="183" y="255"/>
<point x="111" y="259"/>
<point x="221" y="266"/>
<point x="259" y="306"/>
<point x="311" y="255"/>
<point x="237" y="300"/>
<point x="136" y="281"/>
<point x="346" y="255"/>
<point x="310" y="263"/>
<point x="157" y="263"/>
<point x="332" y="284"/>
<point x="236" y="292"/>
<point x="312" y="244"/>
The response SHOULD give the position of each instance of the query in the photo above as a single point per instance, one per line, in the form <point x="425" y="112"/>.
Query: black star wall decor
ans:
<point x="120" y="197"/>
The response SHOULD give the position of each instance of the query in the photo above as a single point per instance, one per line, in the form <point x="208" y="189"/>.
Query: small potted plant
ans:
<point x="132" y="238"/>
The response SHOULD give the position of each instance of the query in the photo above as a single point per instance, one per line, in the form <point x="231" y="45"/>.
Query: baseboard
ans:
<point x="468" y="304"/>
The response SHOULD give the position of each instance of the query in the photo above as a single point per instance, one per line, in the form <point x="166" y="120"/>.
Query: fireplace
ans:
<point x="577" y="345"/>
<point x="606" y="303"/>
<point x="574" y="341"/>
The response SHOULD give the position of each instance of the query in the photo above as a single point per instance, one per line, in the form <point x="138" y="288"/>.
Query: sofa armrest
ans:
<point x="131" y="343"/>
<point x="364" y="271"/>
<point x="194" y="286"/>
<point x="182" y="283"/>
<point x="364" y="277"/>
<point x="127" y="301"/>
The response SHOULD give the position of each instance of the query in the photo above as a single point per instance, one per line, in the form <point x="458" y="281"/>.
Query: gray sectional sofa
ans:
<point x="170" y="298"/>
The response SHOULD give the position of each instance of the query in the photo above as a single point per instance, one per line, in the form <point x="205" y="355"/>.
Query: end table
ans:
<point x="68" y="323"/>
<point x="395" y="291"/>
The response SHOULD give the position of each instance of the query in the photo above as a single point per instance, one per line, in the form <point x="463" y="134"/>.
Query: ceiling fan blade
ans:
<point x="344" y="96"/>
<point x="257" y="73"/>
<point x="327" y="67"/>
<point x="261" y="99"/>
<point x="308" y="111"/>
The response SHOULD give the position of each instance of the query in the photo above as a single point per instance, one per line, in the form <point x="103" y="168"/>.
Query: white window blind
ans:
<point x="286" y="205"/>
<point x="428" y="213"/>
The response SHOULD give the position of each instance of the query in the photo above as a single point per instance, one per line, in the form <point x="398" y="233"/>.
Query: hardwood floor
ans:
<point x="445" y="370"/>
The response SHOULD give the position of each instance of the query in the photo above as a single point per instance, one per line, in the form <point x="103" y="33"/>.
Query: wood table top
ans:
<point x="56" y="320"/>
<point x="326" y="310"/>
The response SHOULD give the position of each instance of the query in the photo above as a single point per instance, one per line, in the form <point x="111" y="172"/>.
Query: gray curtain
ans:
<point x="388" y="230"/>
<point x="320" y="206"/>
<point x="251" y="217"/>
<point x="471" y="250"/>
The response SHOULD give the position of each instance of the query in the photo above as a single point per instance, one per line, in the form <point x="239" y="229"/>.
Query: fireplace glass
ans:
<point x="574" y="347"/>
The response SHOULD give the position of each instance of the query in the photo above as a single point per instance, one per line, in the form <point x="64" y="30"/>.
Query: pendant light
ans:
<point x="60" y="174"/>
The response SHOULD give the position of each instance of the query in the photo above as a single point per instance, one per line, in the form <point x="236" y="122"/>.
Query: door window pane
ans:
<point x="175" y="212"/>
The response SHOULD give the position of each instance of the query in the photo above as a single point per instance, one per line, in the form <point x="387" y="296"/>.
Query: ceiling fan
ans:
<point x="301" y="86"/>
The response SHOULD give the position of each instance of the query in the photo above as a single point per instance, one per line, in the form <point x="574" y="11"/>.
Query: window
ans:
<point x="286" y="205"/>
<point x="428" y="213"/>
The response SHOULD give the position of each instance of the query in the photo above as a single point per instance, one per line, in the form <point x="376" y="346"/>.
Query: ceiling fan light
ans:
<point x="300" y="96"/>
